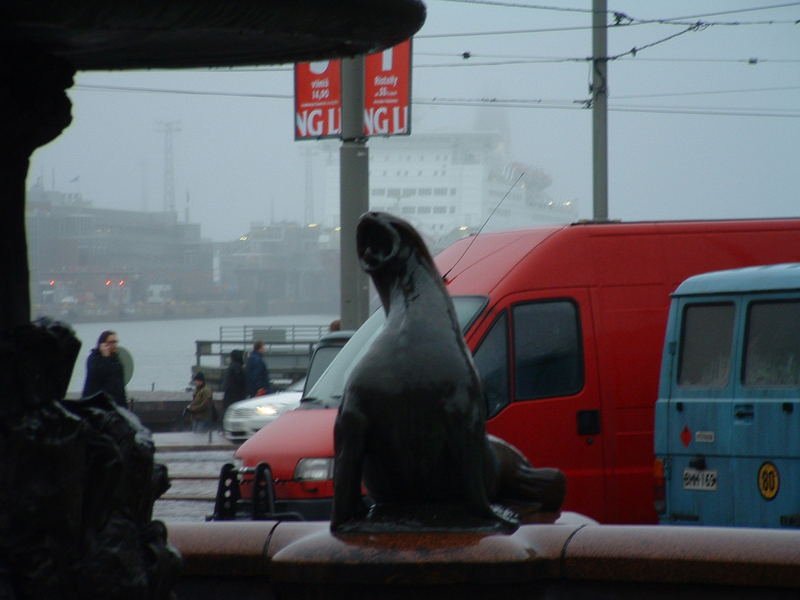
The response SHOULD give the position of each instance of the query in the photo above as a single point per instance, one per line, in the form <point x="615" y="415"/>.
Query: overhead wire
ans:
<point x="496" y="102"/>
<point x="620" y="20"/>
<point x="431" y="36"/>
<point x="509" y="4"/>
<point x="471" y="55"/>
<point x="751" y="61"/>
<point x="534" y="60"/>
<point x="113" y="88"/>
<point x="636" y="49"/>
<point x="581" y="105"/>
<point x="521" y="5"/>
<point x="708" y="92"/>
<point x="468" y="61"/>
<point x="630" y="23"/>
<point x="738" y="10"/>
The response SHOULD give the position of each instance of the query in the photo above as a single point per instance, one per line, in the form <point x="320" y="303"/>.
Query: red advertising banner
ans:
<point x="317" y="99"/>
<point x="387" y="95"/>
<point x="387" y="91"/>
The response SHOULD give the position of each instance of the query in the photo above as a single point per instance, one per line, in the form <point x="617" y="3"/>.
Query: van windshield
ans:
<point x="322" y="358"/>
<point x="328" y="390"/>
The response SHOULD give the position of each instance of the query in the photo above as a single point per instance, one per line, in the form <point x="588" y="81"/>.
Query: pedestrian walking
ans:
<point x="200" y="408"/>
<point x="234" y="385"/>
<point x="104" y="371"/>
<point x="257" y="372"/>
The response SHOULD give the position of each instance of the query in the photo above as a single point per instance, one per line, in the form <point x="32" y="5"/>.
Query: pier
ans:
<point x="289" y="349"/>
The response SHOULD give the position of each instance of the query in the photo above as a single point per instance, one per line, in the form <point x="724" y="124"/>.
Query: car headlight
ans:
<point x="266" y="410"/>
<point x="314" y="469"/>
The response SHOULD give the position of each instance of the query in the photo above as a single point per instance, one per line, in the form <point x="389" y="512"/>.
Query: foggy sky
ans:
<point x="236" y="158"/>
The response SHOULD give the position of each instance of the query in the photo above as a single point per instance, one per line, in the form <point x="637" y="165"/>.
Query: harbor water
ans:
<point x="164" y="351"/>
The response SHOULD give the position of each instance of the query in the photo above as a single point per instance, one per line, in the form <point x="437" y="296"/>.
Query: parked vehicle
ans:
<point x="244" y="418"/>
<point x="566" y="326"/>
<point x="727" y="437"/>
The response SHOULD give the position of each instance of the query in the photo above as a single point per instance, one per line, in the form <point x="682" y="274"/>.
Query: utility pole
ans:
<point x="599" y="112"/>
<point x="168" y="128"/>
<point x="353" y="193"/>
<point x="308" y="197"/>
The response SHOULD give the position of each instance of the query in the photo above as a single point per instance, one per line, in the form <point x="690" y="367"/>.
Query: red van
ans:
<point x="566" y="326"/>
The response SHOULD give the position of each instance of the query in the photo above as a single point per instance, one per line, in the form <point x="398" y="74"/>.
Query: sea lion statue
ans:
<point x="411" y="425"/>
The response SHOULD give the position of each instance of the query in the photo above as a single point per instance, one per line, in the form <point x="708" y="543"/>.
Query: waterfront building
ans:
<point x="92" y="263"/>
<point x="87" y="261"/>
<point x="448" y="184"/>
<point x="283" y="268"/>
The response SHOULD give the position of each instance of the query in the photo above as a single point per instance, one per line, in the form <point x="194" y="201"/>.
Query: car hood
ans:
<point x="294" y="435"/>
<point x="279" y="398"/>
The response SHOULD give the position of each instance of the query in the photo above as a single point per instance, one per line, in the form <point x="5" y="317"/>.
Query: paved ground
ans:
<point x="194" y="461"/>
<point x="186" y="440"/>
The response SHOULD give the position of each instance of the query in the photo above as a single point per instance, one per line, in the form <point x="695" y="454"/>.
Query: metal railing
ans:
<point x="289" y="349"/>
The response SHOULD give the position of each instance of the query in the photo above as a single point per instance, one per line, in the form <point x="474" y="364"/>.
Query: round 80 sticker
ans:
<point x="769" y="481"/>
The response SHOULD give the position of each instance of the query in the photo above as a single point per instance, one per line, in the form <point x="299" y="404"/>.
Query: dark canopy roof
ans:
<point x="136" y="34"/>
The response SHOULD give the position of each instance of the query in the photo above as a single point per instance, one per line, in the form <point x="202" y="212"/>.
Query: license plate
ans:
<point x="704" y="481"/>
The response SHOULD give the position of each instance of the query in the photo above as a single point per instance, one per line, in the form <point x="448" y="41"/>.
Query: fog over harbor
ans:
<point x="703" y="124"/>
<point x="703" y="121"/>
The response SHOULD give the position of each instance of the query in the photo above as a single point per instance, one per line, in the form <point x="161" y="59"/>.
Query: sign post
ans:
<point x="353" y="99"/>
<point x="353" y="194"/>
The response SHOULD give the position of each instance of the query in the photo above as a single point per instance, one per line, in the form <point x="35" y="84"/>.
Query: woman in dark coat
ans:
<point x="235" y="385"/>
<point x="104" y="370"/>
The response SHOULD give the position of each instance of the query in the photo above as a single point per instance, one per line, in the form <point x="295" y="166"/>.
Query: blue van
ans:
<point x="727" y="420"/>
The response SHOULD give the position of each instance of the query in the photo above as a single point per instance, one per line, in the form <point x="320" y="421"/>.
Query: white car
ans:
<point x="244" y="418"/>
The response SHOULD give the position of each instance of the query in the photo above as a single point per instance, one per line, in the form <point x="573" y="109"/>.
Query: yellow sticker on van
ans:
<point x="769" y="480"/>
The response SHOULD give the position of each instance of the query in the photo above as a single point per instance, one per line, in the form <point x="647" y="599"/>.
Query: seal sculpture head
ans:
<point x="411" y="425"/>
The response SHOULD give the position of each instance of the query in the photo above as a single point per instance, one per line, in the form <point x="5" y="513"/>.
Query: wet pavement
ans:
<point x="177" y="440"/>
<point x="194" y="461"/>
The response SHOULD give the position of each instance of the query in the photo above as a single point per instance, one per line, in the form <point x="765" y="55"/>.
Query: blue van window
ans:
<point x="548" y="356"/>
<point x="772" y="344"/>
<point x="705" y="359"/>
<point x="491" y="360"/>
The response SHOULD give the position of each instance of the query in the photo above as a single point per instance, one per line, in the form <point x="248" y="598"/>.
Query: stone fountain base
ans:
<point x="572" y="557"/>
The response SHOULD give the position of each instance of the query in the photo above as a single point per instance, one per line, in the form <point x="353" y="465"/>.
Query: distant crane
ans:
<point x="168" y="128"/>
